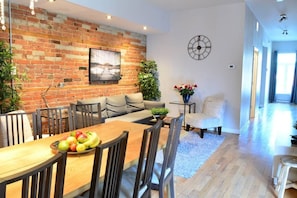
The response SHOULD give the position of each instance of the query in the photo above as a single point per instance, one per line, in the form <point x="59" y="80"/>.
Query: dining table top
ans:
<point x="17" y="158"/>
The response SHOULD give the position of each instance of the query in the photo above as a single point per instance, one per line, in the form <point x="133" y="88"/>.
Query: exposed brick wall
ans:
<point x="52" y="48"/>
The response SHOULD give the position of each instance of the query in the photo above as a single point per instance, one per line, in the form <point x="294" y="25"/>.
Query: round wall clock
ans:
<point x="199" y="47"/>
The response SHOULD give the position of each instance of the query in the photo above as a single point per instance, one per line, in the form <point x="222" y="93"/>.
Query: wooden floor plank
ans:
<point x="242" y="165"/>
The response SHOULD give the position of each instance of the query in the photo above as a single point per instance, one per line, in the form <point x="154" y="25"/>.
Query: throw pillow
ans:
<point x="101" y="100"/>
<point x="116" y="105"/>
<point x="134" y="102"/>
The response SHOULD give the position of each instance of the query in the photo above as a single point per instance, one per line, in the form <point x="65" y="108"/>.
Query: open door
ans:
<point x="254" y="83"/>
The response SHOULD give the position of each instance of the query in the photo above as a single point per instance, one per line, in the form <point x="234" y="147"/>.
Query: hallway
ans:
<point x="242" y="166"/>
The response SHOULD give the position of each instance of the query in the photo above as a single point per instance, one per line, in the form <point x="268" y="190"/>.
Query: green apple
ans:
<point x="63" y="145"/>
<point x="71" y="139"/>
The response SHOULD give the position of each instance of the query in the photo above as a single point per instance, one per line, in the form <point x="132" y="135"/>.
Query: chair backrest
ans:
<point x="214" y="107"/>
<point x="36" y="181"/>
<point x="16" y="128"/>
<point x="146" y="160"/>
<point x="113" y="169"/>
<point x="54" y="120"/>
<point x="171" y="146"/>
<point x="85" y="115"/>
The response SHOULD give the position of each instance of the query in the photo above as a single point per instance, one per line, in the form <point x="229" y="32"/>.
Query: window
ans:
<point x="285" y="75"/>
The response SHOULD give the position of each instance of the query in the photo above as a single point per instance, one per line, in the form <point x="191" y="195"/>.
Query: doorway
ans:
<point x="254" y="83"/>
<point x="284" y="77"/>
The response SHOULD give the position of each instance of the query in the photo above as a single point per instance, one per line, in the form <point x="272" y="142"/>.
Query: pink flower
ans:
<point x="185" y="89"/>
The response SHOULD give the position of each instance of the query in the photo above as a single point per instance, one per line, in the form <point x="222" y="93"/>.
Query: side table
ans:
<point x="189" y="104"/>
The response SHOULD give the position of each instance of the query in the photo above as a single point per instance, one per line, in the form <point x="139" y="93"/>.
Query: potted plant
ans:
<point x="148" y="80"/>
<point x="159" y="112"/>
<point x="9" y="97"/>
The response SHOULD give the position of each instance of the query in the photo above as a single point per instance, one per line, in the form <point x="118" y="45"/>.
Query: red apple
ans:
<point x="77" y="133"/>
<point x="73" y="147"/>
<point x="82" y="138"/>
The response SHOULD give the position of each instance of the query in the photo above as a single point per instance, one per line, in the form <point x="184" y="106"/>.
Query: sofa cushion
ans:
<point x="132" y="117"/>
<point x="134" y="102"/>
<point x="116" y="105"/>
<point x="101" y="100"/>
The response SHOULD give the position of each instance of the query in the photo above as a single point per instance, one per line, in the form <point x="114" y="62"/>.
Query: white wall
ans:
<point x="224" y="26"/>
<point x="253" y="40"/>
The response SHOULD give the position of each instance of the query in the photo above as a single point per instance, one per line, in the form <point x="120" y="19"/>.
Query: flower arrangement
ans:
<point x="186" y="89"/>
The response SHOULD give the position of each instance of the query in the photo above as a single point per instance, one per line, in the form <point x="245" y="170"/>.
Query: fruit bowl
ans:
<point x="54" y="147"/>
<point x="77" y="142"/>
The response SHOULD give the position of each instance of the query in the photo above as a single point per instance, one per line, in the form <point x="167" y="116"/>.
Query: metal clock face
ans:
<point x="199" y="47"/>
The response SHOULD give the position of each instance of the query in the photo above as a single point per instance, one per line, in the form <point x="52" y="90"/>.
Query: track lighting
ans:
<point x="283" y="18"/>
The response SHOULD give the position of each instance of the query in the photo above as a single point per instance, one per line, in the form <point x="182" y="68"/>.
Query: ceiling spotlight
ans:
<point x="285" y="32"/>
<point x="283" y="18"/>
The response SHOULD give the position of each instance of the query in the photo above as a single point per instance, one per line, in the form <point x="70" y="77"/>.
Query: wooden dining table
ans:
<point x="14" y="159"/>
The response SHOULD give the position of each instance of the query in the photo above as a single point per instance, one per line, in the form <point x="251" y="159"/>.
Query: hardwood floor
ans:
<point x="242" y="166"/>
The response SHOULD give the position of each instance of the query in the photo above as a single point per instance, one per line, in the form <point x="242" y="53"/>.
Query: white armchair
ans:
<point x="211" y="116"/>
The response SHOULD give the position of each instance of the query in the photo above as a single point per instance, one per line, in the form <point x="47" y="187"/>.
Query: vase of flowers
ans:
<point x="186" y="91"/>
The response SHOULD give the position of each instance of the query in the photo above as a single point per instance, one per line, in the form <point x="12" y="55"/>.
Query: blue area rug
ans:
<point x="193" y="151"/>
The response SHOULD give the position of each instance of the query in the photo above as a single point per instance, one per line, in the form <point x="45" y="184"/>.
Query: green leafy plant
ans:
<point x="159" y="111"/>
<point x="148" y="80"/>
<point x="9" y="97"/>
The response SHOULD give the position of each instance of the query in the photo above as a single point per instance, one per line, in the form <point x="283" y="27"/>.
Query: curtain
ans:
<point x="294" y="87"/>
<point x="273" y="69"/>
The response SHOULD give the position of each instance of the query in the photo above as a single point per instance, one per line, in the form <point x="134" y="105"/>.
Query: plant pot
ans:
<point x="159" y="117"/>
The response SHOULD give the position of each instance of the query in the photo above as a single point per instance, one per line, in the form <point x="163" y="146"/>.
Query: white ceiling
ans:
<point x="133" y="14"/>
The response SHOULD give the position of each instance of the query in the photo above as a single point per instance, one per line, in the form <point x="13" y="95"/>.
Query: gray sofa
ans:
<point x="126" y="107"/>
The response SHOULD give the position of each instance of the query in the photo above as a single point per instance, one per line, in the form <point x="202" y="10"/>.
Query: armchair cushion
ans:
<point x="202" y="121"/>
<point x="28" y="133"/>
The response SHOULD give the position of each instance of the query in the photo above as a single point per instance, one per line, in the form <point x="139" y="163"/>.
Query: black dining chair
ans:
<point x="17" y="127"/>
<point x="163" y="172"/>
<point x="136" y="181"/>
<point x="85" y="115"/>
<point x="54" y="120"/>
<point x="37" y="181"/>
<point x="108" y="186"/>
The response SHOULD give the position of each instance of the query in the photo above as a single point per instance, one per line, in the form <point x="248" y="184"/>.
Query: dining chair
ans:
<point x="85" y="115"/>
<point x="16" y="127"/>
<point x="136" y="180"/>
<point x="163" y="172"/>
<point x="109" y="186"/>
<point x="37" y="181"/>
<point x="54" y="120"/>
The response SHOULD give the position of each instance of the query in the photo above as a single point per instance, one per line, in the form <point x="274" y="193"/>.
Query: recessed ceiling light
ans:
<point x="144" y="28"/>
<point x="279" y="0"/>
<point x="108" y="17"/>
